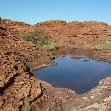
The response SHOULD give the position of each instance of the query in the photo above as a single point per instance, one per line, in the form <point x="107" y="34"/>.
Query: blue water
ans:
<point x="79" y="74"/>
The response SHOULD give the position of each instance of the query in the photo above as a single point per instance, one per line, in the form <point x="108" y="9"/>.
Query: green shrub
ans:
<point x="105" y="46"/>
<point x="29" y="38"/>
<point x="40" y="38"/>
<point x="26" y="105"/>
<point x="49" y="46"/>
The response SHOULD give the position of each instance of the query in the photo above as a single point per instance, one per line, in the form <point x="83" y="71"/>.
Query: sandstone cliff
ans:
<point x="21" y="91"/>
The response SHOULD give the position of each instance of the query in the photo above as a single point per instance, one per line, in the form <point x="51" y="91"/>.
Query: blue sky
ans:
<point x="33" y="11"/>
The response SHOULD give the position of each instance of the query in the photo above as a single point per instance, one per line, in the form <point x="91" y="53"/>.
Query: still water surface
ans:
<point x="79" y="74"/>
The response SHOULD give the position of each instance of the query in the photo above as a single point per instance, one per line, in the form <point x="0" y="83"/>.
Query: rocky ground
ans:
<point x="21" y="91"/>
<point x="77" y="34"/>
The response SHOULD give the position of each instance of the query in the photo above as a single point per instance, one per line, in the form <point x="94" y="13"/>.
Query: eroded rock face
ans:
<point x="21" y="91"/>
<point x="77" y="34"/>
<point x="18" y="87"/>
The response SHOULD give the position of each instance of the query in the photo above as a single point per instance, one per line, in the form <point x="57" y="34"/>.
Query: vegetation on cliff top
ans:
<point x="40" y="38"/>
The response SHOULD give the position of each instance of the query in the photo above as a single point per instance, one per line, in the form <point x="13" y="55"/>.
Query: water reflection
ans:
<point x="76" y="52"/>
<point x="75" y="71"/>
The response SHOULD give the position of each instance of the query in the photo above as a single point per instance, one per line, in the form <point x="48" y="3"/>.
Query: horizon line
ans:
<point x="48" y="20"/>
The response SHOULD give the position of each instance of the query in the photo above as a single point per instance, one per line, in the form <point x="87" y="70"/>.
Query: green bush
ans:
<point x="40" y="38"/>
<point x="49" y="46"/>
<point x="29" y="38"/>
<point x="105" y="46"/>
<point x="26" y="105"/>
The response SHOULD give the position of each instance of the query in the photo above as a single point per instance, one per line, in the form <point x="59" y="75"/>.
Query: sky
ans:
<point x="35" y="11"/>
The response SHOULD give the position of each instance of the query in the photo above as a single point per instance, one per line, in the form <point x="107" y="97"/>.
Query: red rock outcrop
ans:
<point x="21" y="91"/>
<point x="17" y="83"/>
<point x="78" y="34"/>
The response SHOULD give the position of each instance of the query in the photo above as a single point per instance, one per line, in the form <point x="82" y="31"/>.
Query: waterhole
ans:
<point x="77" y="72"/>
